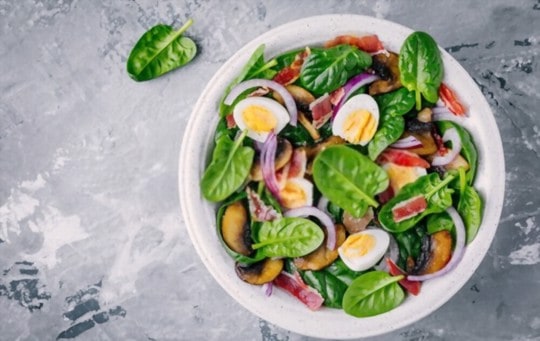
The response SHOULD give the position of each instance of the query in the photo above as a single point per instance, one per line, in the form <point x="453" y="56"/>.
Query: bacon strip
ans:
<point x="321" y="110"/>
<point x="402" y="158"/>
<point x="291" y="73"/>
<point x="258" y="210"/>
<point x="369" y="43"/>
<point x="409" y="208"/>
<point x="296" y="287"/>
<point x="412" y="287"/>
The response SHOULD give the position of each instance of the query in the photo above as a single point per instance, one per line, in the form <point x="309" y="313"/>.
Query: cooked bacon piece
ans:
<point x="337" y="95"/>
<point x="298" y="163"/>
<point x="321" y="110"/>
<point x="385" y="196"/>
<point x="409" y="208"/>
<point x="290" y="74"/>
<point x="450" y="100"/>
<point x="231" y="123"/>
<point x="402" y="158"/>
<point x="412" y="287"/>
<point x="258" y="210"/>
<point x="259" y="92"/>
<point x="369" y="43"/>
<point x="296" y="287"/>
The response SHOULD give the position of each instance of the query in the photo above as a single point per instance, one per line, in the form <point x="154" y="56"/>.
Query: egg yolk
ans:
<point x="358" y="245"/>
<point x="399" y="176"/>
<point x="259" y="119"/>
<point x="359" y="126"/>
<point x="293" y="196"/>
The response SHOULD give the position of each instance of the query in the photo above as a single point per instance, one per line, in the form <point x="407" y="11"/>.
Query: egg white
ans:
<point x="353" y="104"/>
<point x="399" y="176"/>
<point x="301" y="185"/>
<point x="277" y="110"/>
<point x="372" y="257"/>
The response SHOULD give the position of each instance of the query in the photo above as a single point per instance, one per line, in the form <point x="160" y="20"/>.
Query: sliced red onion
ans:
<point x="267" y="288"/>
<point x="449" y="135"/>
<point x="257" y="82"/>
<point x="459" y="249"/>
<point x="323" y="218"/>
<point x="392" y="253"/>
<point x="323" y="205"/>
<point x="268" y="168"/>
<point x="407" y="142"/>
<point x="354" y="84"/>
<point x="444" y="114"/>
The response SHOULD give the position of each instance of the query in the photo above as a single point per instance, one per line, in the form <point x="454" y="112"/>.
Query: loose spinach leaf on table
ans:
<point x="288" y="237"/>
<point x="373" y="293"/>
<point x="421" y="67"/>
<point x="229" y="168"/>
<point x="160" y="50"/>
<point x="256" y="67"/>
<point x="331" y="282"/>
<point x="468" y="149"/>
<point x="348" y="179"/>
<point x="436" y="191"/>
<point x="326" y="70"/>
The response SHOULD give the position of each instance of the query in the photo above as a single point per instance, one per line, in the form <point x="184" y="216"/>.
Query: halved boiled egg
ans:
<point x="260" y="115"/>
<point x="399" y="176"/>
<point x="364" y="249"/>
<point x="297" y="192"/>
<point x="357" y="120"/>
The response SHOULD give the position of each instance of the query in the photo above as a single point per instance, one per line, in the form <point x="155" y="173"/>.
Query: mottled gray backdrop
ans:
<point x="92" y="242"/>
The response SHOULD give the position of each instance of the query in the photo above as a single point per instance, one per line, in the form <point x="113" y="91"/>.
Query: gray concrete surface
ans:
<point x="93" y="245"/>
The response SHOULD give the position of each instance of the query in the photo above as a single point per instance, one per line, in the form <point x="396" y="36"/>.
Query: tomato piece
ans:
<point x="413" y="287"/>
<point x="369" y="43"/>
<point x="296" y="287"/>
<point x="450" y="100"/>
<point x="402" y="158"/>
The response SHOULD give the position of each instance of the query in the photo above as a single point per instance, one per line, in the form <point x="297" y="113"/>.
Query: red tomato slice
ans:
<point x="412" y="287"/>
<point x="369" y="43"/>
<point x="450" y="100"/>
<point x="402" y="158"/>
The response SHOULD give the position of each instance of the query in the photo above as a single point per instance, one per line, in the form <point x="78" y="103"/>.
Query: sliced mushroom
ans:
<point x="302" y="97"/>
<point x="354" y="225"/>
<point x="387" y="67"/>
<point x="428" y="143"/>
<point x="322" y="256"/>
<point x="440" y="252"/>
<point x="261" y="272"/>
<point x="424" y="115"/>
<point x="235" y="228"/>
<point x="304" y="121"/>
<point x="283" y="156"/>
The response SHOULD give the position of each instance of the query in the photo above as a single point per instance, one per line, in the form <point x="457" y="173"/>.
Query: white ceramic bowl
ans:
<point x="282" y="309"/>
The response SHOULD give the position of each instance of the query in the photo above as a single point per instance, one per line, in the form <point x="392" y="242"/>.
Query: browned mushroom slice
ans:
<point x="440" y="252"/>
<point x="284" y="153"/>
<point x="354" y="225"/>
<point x="235" y="229"/>
<point x="386" y="66"/>
<point x="428" y="143"/>
<point x="322" y="256"/>
<point x="302" y="97"/>
<point x="304" y="121"/>
<point x="261" y="272"/>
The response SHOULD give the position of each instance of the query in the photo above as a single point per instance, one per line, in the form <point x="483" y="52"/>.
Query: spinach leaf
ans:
<point x="229" y="168"/>
<point x="421" y="67"/>
<point x="410" y="244"/>
<point x="373" y="293"/>
<point x="348" y="178"/>
<point x="331" y="282"/>
<point x="326" y="70"/>
<point x="436" y="191"/>
<point x="470" y="210"/>
<point x="288" y="237"/>
<point x="396" y="103"/>
<point x="160" y="50"/>
<point x="439" y="222"/>
<point x="298" y="135"/>
<point x="335" y="211"/>
<point x="390" y="130"/>
<point x="468" y="149"/>
<point x="255" y="67"/>
<point x="221" y="211"/>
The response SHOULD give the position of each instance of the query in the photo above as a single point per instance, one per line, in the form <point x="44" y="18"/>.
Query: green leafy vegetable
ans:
<point x="373" y="293"/>
<point x="236" y="256"/>
<point x="288" y="237"/>
<point x="255" y="67"/>
<point x="470" y="210"/>
<point x="436" y="192"/>
<point x="298" y="135"/>
<point x="396" y="103"/>
<point x="335" y="211"/>
<point x="468" y="149"/>
<point x="326" y="70"/>
<point x="229" y="168"/>
<point x="160" y="50"/>
<point x="348" y="179"/>
<point x="421" y="67"/>
<point x="410" y="244"/>
<point x="390" y="130"/>
<point x="439" y="222"/>
<point x="331" y="282"/>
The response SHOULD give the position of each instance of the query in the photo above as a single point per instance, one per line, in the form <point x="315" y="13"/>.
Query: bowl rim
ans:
<point x="281" y="312"/>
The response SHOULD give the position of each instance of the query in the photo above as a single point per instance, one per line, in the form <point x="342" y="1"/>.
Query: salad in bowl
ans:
<point x="342" y="175"/>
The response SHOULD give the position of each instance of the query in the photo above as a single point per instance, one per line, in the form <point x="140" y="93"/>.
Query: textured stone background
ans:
<point x="92" y="244"/>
